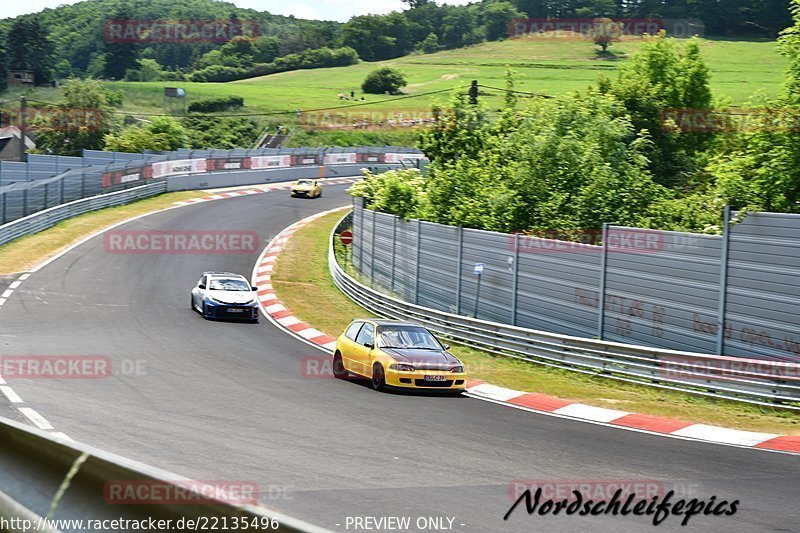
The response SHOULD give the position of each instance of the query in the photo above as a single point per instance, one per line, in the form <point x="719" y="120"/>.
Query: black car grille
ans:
<point x="247" y="311"/>
<point x="424" y="383"/>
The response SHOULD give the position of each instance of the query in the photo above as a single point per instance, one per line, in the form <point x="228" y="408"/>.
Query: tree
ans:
<point x="120" y="56"/>
<point x="604" y="32"/>
<point x="29" y="47"/>
<point x="497" y="16"/>
<point x="789" y="46"/>
<point x="81" y="121"/>
<point x="224" y="133"/>
<point x="430" y="44"/>
<point x="460" y="27"/>
<point x="384" y="80"/>
<point x="161" y="134"/>
<point x="3" y="67"/>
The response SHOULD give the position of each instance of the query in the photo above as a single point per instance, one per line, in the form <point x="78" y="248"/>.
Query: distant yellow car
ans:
<point x="307" y="189"/>
<point x="397" y="354"/>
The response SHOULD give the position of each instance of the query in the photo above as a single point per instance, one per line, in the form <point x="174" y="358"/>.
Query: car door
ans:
<point x="198" y="292"/>
<point x="347" y="344"/>
<point x="365" y="343"/>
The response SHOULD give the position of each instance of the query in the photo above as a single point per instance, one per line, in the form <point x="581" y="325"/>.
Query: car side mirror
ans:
<point x="201" y="286"/>
<point x="254" y="288"/>
<point x="369" y="345"/>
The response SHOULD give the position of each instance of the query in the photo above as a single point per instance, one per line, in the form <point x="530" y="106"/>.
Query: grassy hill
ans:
<point x="739" y="68"/>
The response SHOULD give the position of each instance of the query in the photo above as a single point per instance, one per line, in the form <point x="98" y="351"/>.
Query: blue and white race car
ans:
<point x="225" y="295"/>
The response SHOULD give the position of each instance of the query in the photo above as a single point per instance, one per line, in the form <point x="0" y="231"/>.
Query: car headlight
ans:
<point x="458" y="369"/>
<point x="401" y="367"/>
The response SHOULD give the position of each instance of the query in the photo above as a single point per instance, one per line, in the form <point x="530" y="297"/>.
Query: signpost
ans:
<point x="478" y="270"/>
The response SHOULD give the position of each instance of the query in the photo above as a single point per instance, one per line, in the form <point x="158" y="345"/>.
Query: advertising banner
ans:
<point x="230" y="163"/>
<point x="397" y="158"/>
<point x="270" y="161"/>
<point x="181" y="166"/>
<point x="334" y="159"/>
<point x="128" y="175"/>
<point x="307" y="159"/>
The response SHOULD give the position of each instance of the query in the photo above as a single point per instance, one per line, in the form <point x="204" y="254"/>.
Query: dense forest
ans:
<point x="69" y="40"/>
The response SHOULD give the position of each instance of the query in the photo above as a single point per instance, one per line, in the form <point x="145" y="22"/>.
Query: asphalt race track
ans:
<point x="228" y="401"/>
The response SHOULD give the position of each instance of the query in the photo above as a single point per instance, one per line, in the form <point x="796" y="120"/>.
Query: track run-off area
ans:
<point x="230" y="401"/>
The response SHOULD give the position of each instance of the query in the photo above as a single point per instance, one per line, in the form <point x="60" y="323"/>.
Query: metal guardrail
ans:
<point x="52" y="477"/>
<point x="42" y="220"/>
<point x="769" y="383"/>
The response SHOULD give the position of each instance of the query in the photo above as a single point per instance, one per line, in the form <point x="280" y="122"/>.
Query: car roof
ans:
<point x="386" y="322"/>
<point x="223" y="274"/>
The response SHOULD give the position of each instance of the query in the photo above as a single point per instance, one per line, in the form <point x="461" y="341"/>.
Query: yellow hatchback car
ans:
<point x="394" y="354"/>
<point x="307" y="188"/>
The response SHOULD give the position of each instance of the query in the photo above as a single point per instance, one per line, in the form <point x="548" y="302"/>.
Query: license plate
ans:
<point x="435" y="378"/>
<point x="236" y="310"/>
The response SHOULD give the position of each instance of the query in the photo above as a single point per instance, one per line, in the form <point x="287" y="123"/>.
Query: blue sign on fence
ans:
<point x="478" y="269"/>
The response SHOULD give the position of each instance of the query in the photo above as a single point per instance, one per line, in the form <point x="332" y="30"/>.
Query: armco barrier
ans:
<point x="49" y="476"/>
<point x="769" y="383"/>
<point x="49" y="217"/>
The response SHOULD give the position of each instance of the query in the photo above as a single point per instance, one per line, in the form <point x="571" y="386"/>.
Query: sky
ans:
<point x="340" y="10"/>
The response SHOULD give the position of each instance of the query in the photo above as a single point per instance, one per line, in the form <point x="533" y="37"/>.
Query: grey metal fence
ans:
<point x="32" y="186"/>
<point x="747" y="380"/>
<point x="49" y="217"/>
<point x="736" y="294"/>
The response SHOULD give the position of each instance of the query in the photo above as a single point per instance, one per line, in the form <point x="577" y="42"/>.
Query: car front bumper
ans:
<point x="231" y="311"/>
<point x="451" y="381"/>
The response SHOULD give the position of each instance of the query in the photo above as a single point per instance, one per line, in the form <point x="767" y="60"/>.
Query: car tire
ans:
<point x="191" y="303"/>
<point x="339" y="371"/>
<point x="378" y="377"/>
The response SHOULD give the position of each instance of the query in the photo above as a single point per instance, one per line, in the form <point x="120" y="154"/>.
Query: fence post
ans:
<point x="62" y="189"/>
<point x="723" y="279"/>
<point x="394" y="251"/>
<point x="601" y="297"/>
<point x="416" y="268"/>
<point x="515" y="281"/>
<point x="372" y="251"/>
<point x="458" y="268"/>
<point x="83" y="183"/>
<point x="25" y="202"/>
<point x="361" y="228"/>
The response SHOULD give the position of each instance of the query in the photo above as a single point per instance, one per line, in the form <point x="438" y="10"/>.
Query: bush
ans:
<point x="395" y="191"/>
<point x="384" y="80"/>
<point x="213" y="105"/>
<point x="307" y="59"/>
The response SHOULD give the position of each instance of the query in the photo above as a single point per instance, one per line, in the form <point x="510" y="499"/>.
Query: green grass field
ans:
<point x="739" y="68"/>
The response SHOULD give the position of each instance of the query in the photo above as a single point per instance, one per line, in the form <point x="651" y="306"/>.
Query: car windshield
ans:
<point x="407" y="337"/>
<point x="227" y="284"/>
<point x="304" y="182"/>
